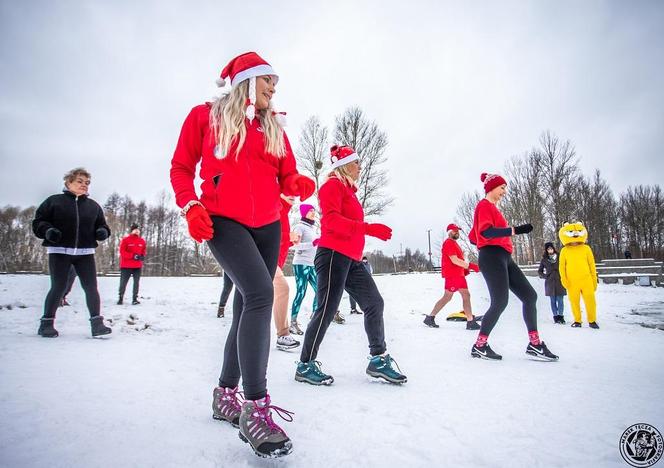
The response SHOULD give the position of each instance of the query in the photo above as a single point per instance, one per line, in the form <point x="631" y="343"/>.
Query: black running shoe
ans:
<point x="430" y="321"/>
<point x="485" y="352"/>
<point x="593" y="325"/>
<point x="472" y="325"/>
<point x="576" y="325"/>
<point x="540" y="352"/>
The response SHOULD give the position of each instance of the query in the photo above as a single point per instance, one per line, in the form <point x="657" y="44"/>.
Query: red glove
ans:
<point x="378" y="230"/>
<point x="200" y="224"/>
<point x="466" y="272"/>
<point x="300" y="185"/>
<point x="316" y="242"/>
<point x="474" y="267"/>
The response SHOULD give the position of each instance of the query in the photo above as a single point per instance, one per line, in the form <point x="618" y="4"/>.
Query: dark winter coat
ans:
<point x="549" y="271"/>
<point x="77" y="218"/>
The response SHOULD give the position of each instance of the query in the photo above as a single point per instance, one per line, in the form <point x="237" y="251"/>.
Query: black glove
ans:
<point x="138" y="257"/>
<point x="101" y="234"/>
<point x="523" y="229"/>
<point x="53" y="235"/>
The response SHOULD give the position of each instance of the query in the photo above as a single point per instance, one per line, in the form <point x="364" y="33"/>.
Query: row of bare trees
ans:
<point x="547" y="188"/>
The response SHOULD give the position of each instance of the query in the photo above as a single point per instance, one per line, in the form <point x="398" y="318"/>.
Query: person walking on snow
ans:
<point x="303" y="263"/>
<point x="492" y="235"/>
<point x="454" y="270"/>
<point x="71" y="224"/>
<point x="553" y="287"/>
<point x="132" y="254"/>
<point x="338" y="267"/>
<point x="285" y="341"/>
<point x="246" y="162"/>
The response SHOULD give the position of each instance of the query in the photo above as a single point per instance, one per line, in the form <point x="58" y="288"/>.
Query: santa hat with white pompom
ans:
<point x="247" y="67"/>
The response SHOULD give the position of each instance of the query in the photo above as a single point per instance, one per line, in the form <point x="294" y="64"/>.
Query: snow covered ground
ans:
<point x="142" y="397"/>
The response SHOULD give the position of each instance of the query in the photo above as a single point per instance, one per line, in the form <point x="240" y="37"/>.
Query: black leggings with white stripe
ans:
<point x="336" y="272"/>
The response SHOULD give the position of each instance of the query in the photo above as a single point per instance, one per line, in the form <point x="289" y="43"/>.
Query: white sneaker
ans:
<point x="287" y="342"/>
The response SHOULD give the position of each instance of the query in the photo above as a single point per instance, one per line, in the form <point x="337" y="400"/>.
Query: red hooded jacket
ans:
<point x="130" y="246"/>
<point x="243" y="187"/>
<point x="342" y="219"/>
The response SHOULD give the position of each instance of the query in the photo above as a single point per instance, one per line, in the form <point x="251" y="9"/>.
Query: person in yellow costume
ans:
<point x="577" y="271"/>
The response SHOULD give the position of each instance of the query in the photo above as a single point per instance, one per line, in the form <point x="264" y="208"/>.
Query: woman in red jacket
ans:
<point x="492" y="235"/>
<point x="338" y="267"/>
<point x="245" y="163"/>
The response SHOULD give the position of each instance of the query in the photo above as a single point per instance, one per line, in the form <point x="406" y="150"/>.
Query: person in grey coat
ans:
<point x="553" y="287"/>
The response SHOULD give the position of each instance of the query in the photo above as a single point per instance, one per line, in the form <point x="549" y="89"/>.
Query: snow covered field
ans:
<point x="143" y="398"/>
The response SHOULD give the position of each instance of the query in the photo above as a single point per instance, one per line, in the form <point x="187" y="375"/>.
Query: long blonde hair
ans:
<point x="227" y="123"/>
<point x="343" y="175"/>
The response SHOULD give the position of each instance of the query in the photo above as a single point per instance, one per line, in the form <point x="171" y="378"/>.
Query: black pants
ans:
<point x="125" y="274"/>
<point x="71" y="277"/>
<point x="353" y="302"/>
<point x="59" y="266"/>
<point x="502" y="275"/>
<point x="226" y="291"/>
<point x="336" y="272"/>
<point x="249" y="257"/>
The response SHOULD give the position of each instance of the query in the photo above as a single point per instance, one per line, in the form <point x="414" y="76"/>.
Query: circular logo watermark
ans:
<point x="641" y="445"/>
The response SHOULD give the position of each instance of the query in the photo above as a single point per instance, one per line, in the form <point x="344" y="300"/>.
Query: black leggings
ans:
<point x="86" y="270"/>
<point x="125" y="274"/>
<point x="502" y="275"/>
<point x="226" y="291"/>
<point x="336" y="272"/>
<point x="249" y="257"/>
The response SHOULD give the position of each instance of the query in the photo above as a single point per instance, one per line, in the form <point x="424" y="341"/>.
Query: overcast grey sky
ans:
<point x="459" y="88"/>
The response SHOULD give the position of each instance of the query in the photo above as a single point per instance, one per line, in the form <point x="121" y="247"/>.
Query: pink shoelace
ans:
<point x="263" y="412"/>
<point x="235" y="395"/>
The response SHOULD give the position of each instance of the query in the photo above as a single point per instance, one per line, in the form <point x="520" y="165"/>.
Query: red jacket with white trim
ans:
<point x="130" y="246"/>
<point x="342" y="219"/>
<point x="244" y="187"/>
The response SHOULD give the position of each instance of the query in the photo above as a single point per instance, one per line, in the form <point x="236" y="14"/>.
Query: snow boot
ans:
<point x="119" y="301"/>
<point x="46" y="328"/>
<point x="562" y="319"/>
<point x="338" y="318"/>
<point x="540" y="352"/>
<point x="135" y="301"/>
<point x="556" y="319"/>
<point x="286" y="343"/>
<point x="97" y="326"/>
<point x="593" y="325"/>
<point x="258" y="429"/>
<point x="472" y="325"/>
<point x="430" y="321"/>
<point x="485" y="352"/>
<point x="380" y="367"/>
<point x="309" y="372"/>
<point x="295" y="329"/>
<point x="227" y="405"/>
<point x="220" y="311"/>
<point x="576" y="325"/>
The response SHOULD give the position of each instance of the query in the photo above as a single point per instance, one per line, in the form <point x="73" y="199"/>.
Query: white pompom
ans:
<point x="220" y="82"/>
<point x="281" y="119"/>
<point x="250" y="112"/>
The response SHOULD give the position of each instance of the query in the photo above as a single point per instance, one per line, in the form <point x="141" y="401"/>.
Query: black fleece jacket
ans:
<point x="77" y="218"/>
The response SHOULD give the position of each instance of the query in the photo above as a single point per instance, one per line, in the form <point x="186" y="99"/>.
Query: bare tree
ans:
<point x="313" y="148"/>
<point x="352" y="128"/>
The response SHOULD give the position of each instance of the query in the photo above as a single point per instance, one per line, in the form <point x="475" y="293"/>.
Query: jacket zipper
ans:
<point x="77" y="224"/>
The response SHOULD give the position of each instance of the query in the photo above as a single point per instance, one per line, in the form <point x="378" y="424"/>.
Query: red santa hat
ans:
<point x="491" y="181"/>
<point x="247" y="67"/>
<point x="342" y="155"/>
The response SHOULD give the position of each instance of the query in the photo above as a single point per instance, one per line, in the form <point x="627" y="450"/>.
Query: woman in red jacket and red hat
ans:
<point x="246" y="162"/>
<point x="338" y="267"/>
<point x="492" y="235"/>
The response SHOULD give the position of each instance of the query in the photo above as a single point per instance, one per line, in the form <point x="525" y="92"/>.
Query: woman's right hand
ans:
<point x="53" y="235"/>
<point x="199" y="223"/>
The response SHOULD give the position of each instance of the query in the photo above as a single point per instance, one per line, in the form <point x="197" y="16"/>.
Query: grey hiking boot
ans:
<point x="46" y="328"/>
<point x="258" y="429"/>
<point x="97" y="326"/>
<point x="227" y="405"/>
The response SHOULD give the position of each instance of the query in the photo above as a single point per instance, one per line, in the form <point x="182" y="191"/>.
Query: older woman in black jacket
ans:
<point x="71" y="224"/>
<point x="553" y="287"/>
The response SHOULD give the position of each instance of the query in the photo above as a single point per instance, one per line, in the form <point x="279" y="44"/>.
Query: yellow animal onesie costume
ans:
<point x="577" y="271"/>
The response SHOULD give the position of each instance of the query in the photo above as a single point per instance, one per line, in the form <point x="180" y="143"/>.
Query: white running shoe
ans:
<point x="287" y="342"/>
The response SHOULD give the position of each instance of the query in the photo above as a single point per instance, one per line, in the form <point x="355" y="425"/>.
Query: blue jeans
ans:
<point x="557" y="304"/>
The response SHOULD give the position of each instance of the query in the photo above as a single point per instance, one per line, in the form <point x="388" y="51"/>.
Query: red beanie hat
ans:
<point x="491" y="181"/>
